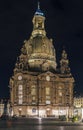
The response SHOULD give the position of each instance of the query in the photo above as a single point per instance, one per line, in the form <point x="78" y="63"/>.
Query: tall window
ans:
<point x="60" y="94"/>
<point x="20" y="94"/>
<point x="33" y="92"/>
<point x="47" y="95"/>
<point x="47" y="91"/>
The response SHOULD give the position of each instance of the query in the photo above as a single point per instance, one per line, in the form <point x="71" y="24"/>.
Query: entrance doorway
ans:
<point x="48" y="112"/>
<point x="20" y="111"/>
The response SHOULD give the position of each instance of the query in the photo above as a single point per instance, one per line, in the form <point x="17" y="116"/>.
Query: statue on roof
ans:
<point x="64" y="63"/>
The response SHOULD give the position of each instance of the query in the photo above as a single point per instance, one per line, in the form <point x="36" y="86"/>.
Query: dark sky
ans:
<point x="64" y="23"/>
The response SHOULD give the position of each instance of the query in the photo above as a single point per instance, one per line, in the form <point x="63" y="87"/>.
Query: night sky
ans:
<point x="64" y="24"/>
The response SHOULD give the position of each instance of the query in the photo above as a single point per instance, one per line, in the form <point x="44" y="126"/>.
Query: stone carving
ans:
<point x="64" y="63"/>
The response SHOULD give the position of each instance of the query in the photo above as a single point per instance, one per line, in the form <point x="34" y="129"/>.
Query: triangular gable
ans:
<point x="48" y="73"/>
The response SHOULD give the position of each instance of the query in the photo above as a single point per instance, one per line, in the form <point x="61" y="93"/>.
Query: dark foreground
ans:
<point x="38" y="124"/>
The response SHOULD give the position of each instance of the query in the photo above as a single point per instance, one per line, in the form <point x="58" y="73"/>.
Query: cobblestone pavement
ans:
<point x="38" y="124"/>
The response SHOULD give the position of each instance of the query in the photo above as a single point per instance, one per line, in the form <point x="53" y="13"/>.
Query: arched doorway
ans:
<point x="20" y="111"/>
<point x="48" y="112"/>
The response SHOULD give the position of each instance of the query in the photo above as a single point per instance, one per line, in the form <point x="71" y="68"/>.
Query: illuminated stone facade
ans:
<point x="78" y="102"/>
<point x="37" y="87"/>
<point x="1" y="107"/>
<point x="4" y="107"/>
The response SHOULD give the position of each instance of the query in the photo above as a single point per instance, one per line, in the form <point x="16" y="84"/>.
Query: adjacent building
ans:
<point x="4" y="107"/>
<point x="78" y="106"/>
<point x="78" y="102"/>
<point x="1" y="107"/>
<point x="38" y="86"/>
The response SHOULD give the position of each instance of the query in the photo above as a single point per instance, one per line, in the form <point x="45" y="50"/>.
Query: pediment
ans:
<point x="50" y="74"/>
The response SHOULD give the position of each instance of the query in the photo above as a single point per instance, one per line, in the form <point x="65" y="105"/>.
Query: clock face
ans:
<point x="19" y="77"/>
<point x="48" y="78"/>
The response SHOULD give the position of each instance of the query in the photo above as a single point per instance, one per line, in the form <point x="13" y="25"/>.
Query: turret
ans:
<point x="64" y="63"/>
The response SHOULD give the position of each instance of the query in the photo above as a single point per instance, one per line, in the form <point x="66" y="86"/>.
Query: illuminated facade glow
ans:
<point x="78" y="102"/>
<point x="38" y="86"/>
<point x="20" y="94"/>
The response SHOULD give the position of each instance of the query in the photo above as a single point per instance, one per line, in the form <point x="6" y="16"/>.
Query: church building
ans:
<point x="38" y="87"/>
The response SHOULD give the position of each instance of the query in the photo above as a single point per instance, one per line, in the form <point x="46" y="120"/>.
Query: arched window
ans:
<point x="20" y="94"/>
<point x="33" y="90"/>
<point x="33" y="93"/>
<point x="47" y="95"/>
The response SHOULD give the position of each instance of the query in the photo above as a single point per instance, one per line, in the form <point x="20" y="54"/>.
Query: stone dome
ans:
<point x="40" y="50"/>
<point x="41" y="53"/>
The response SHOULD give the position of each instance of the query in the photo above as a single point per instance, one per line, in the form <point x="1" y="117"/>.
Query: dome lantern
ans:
<point x="38" y="23"/>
